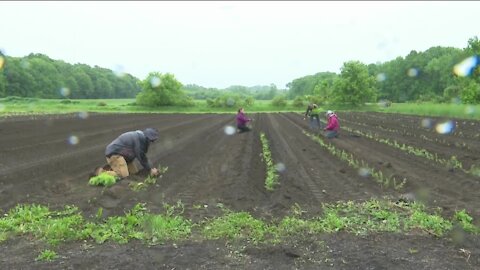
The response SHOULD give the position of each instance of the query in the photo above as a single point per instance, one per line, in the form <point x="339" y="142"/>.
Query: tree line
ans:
<point x="39" y="76"/>
<point x="439" y="74"/>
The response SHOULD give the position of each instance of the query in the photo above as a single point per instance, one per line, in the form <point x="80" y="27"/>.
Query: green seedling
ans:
<point x="47" y="255"/>
<point x="103" y="179"/>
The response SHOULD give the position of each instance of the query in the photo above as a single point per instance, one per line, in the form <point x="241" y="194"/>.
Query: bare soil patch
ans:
<point x="47" y="160"/>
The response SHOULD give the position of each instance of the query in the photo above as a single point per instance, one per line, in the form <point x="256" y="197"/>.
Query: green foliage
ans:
<point x="355" y="86"/>
<point x="230" y="101"/>
<point x="103" y="179"/>
<point x="470" y="93"/>
<point x="120" y="229"/>
<point x="54" y="227"/>
<point x="47" y="255"/>
<point x="37" y="75"/>
<point x="298" y="102"/>
<point x="162" y="90"/>
<point x="234" y="226"/>
<point x="279" y="101"/>
<point x="465" y="221"/>
<point x="170" y="226"/>
<point x="361" y="218"/>
<point x="319" y="84"/>
<point x="433" y="224"/>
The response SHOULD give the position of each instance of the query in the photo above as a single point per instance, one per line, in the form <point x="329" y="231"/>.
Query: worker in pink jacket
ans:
<point x="331" y="130"/>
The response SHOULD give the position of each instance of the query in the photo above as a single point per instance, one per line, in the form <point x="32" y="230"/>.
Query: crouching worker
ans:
<point x="126" y="148"/>
<point x="242" y="121"/>
<point x="331" y="130"/>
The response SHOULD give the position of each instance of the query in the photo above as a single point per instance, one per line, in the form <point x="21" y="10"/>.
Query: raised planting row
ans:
<point x="360" y="165"/>
<point x="451" y="163"/>
<point x="440" y="138"/>
<point x="360" y="218"/>
<point x="271" y="179"/>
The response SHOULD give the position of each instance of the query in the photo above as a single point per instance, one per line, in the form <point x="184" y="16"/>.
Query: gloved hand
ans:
<point x="154" y="172"/>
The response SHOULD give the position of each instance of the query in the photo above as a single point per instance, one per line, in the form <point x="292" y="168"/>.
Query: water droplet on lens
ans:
<point x="73" y="140"/>
<point x="427" y="123"/>
<point x="413" y="72"/>
<point x="381" y="77"/>
<point x="155" y="81"/>
<point x="83" y="115"/>
<point x="280" y="167"/>
<point x="64" y="91"/>
<point x="229" y="130"/>
<point x="466" y="67"/>
<point x="445" y="128"/>
<point x="364" y="172"/>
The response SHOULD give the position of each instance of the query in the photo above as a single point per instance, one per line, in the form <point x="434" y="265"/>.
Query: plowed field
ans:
<point x="47" y="160"/>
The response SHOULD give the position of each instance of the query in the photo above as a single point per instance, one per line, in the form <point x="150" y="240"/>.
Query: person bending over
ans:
<point x="127" y="147"/>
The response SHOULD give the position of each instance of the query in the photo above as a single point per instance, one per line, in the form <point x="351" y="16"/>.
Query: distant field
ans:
<point x="15" y="105"/>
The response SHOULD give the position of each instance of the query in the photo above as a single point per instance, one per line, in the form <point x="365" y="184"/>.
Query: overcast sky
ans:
<point x="223" y="43"/>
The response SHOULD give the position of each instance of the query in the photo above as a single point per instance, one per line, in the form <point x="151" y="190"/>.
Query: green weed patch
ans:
<point x="360" y="218"/>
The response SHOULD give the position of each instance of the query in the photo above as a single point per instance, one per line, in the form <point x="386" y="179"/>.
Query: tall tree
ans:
<point x="161" y="90"/>
<point x="355" y="86"/>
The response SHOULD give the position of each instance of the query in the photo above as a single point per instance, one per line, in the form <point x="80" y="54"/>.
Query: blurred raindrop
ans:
<point x="119" y="71"/>
<point x="384" y="103"/>
<point x="280" y="167"/>
<point x="423" y="195"/>
<point x="229" y="130"/>
<point x="49" y="122"/>
<point x="413" y="72"/>
<point x="155" y="81"/>
<point x="469" y="110"/>
<point x="24" y="63"/>
<point x="83" y="115"/>
<point x="381" y="77"/>
<point x="224" y="168"/>
<point x="73" y="140"/>
<point x="230" y="102"/>
<point x="64" y="91"/>
<point x="466" y="67"/>
<point x="445" y="128"/>
<point x="364" y="172"/>
<point x="456" y="100"/>
<point x="168" y="143"/>
<point x="427" y="123"/>
<point x="2" y="61"/>
<point x="458" y="235"/>
<point x="475" y="171"/>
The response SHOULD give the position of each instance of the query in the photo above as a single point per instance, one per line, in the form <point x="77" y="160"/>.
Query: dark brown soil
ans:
<point x="47" y="160"/>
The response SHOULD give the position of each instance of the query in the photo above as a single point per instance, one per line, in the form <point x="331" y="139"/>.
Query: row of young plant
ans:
<point x="412" y="123"/>
<point x="271" y="180"/>
<point x="362" y="166"/>
<point x="107" y="180"/>
<point x="451" y="163"/>
<point x="410" y="134"/>
<point x="360" y="218"/>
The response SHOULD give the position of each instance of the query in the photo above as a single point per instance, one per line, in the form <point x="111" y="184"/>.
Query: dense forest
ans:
<point x="36" y="75"/>
<point x="439" y="74"/>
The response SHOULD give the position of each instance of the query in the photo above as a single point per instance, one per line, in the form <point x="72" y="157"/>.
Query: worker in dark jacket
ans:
<point x="126" y="148"/>
<point x="313" y="112"/>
